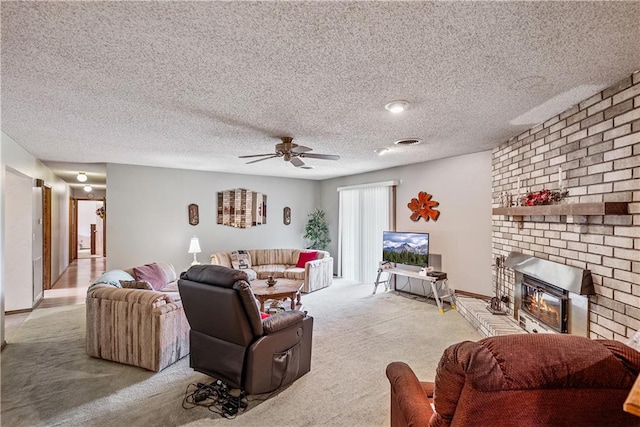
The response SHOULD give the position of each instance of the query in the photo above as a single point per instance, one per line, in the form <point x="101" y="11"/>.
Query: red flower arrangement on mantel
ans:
<point x="543" y="197"/>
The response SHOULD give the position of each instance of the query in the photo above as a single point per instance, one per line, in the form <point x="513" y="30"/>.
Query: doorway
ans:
<point x="88" y="230"/>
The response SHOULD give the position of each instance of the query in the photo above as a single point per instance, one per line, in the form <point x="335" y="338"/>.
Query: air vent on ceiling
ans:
<point x="408" y="141"/>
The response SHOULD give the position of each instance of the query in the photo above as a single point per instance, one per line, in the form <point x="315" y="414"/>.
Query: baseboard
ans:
<point x="472" y="295"/>
<point x="38" y="302"/>
<point x="24" y="310"/>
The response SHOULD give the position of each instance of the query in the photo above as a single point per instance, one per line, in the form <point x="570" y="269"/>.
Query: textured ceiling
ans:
<point x="196" y="84"/>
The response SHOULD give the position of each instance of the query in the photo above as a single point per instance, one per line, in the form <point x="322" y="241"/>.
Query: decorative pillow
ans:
<point x="306" y="256"/>
<point x="136" y="284"/>
<point x="112" y="277"/>
<point x="240" y="260"/>
<point x="151" y="273"/>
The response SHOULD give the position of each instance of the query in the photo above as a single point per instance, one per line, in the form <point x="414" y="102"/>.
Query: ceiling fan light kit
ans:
<point x="292" y="153"/>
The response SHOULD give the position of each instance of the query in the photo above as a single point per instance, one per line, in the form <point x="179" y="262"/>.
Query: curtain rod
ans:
<point x="372" y="184"/>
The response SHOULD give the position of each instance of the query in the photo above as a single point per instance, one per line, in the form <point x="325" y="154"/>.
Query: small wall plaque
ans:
<point x="286" y="215"/>
<point x="194" y="218"/>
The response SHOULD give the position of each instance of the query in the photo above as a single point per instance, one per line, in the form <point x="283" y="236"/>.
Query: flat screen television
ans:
<point x="406" y="248"/>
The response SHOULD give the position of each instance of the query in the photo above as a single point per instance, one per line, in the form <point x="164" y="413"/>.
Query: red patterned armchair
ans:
<point x="520" y="380"/>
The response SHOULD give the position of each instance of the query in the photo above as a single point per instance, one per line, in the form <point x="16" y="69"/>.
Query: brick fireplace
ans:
<point x="595" y="146"/>
<point x="550" y="297"/>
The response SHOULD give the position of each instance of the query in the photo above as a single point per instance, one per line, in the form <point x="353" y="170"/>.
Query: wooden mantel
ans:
<point x="585" y="209"/>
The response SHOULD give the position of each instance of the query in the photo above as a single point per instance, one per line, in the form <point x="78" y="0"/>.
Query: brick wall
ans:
<point x="597" y="145"/>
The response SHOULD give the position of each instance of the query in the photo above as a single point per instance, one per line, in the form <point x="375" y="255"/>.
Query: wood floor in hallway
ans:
<point x="71" y="287"/>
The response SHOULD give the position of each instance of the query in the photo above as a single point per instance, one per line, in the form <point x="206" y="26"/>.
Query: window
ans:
<point x="365" y="212"/>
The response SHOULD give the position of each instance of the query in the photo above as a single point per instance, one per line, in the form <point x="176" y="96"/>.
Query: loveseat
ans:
<point x="281" y="263"/>
<point x="520" y="380"/>
<point x="138" y="325"/>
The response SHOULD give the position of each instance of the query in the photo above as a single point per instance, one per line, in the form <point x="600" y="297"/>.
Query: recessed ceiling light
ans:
<point x="306" y="167"/>
<point x="82" y="177"/>
<point x="381" y="151"/>
<point x="397" y="106"/>
<point x="408" y="141"/>
<point x="87" y="188"/>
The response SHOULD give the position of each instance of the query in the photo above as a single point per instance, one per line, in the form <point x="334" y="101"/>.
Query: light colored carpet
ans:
<point x="48" y="380"/>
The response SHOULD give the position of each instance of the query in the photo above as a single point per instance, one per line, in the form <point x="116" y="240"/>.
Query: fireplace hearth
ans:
<point x="550" y="297"/>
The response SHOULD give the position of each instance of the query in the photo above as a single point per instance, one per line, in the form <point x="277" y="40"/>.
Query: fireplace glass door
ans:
<point x="545" y="302"/>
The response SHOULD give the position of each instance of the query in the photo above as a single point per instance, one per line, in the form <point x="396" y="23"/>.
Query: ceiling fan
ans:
<point x="291" y="152"/>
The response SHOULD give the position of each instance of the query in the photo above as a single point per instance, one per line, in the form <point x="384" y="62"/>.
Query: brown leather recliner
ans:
<point x="228" y="339"/>
<point x="520" y="380"/>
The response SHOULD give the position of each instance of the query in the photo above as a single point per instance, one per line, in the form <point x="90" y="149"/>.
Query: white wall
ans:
<point x="147" y="214"/>
<point x="462" y="234"/>
<point x="37" y="241"/>
<point x="16" y="158"/>
<point x="17" y="239"/>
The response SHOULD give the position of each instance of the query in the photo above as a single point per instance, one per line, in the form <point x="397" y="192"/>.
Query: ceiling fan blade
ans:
<point x="255" y="155"/>
<point x="295" y="161"/>
<point x="264" y="158"/>
<point x="301" y="149"/>
<point x="320" y="156"/>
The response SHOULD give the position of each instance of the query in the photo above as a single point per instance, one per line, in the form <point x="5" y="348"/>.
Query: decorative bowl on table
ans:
<point x="271" y="281"/>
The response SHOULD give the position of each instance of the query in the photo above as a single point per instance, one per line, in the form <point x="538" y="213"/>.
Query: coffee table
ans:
<point x="283" y="289"/>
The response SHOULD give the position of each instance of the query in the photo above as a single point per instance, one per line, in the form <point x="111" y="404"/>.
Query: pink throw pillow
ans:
<point x="151" y="273"/>
<point x="263" y="315"/>
<point x="306" y="256"/>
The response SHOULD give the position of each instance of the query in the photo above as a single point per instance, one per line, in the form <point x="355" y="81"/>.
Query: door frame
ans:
<point x="73" y="227"/>
<point x="46" y="236"/>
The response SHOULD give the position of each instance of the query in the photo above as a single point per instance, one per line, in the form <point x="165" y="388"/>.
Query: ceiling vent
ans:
<point x="408" y="141"/>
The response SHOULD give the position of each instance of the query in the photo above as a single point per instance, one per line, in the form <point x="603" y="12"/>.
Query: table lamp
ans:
<point x="194" y="248"/>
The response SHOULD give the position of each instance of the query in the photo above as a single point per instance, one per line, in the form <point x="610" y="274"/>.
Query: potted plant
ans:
<point x="317" y="230"/>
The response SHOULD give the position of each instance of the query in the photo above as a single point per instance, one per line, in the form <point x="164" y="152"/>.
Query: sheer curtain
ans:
<point x="365" y="212"/>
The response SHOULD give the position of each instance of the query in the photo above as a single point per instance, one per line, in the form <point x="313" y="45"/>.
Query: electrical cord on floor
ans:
<point x="215" y="398"/>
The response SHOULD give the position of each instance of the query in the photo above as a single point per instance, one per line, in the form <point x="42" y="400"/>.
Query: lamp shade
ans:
<point x="194" y="246"/>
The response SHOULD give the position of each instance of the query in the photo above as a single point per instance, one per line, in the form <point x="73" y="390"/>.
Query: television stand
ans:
<point x="438" y="283"/>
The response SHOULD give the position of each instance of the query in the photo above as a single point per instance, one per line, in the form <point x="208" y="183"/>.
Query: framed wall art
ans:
<point x="286" y="216"/>
<point x="242" y="208"/>
<point x="194" y="217"/>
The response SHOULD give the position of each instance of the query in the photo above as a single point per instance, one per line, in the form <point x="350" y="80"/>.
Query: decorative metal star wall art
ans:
<point x="423" y="207"/>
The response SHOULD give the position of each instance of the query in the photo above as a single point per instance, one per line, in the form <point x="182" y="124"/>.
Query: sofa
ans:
<point x="520" y="380"/>
<point x="137" y="325"/>
<point x="281" y="263"/>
